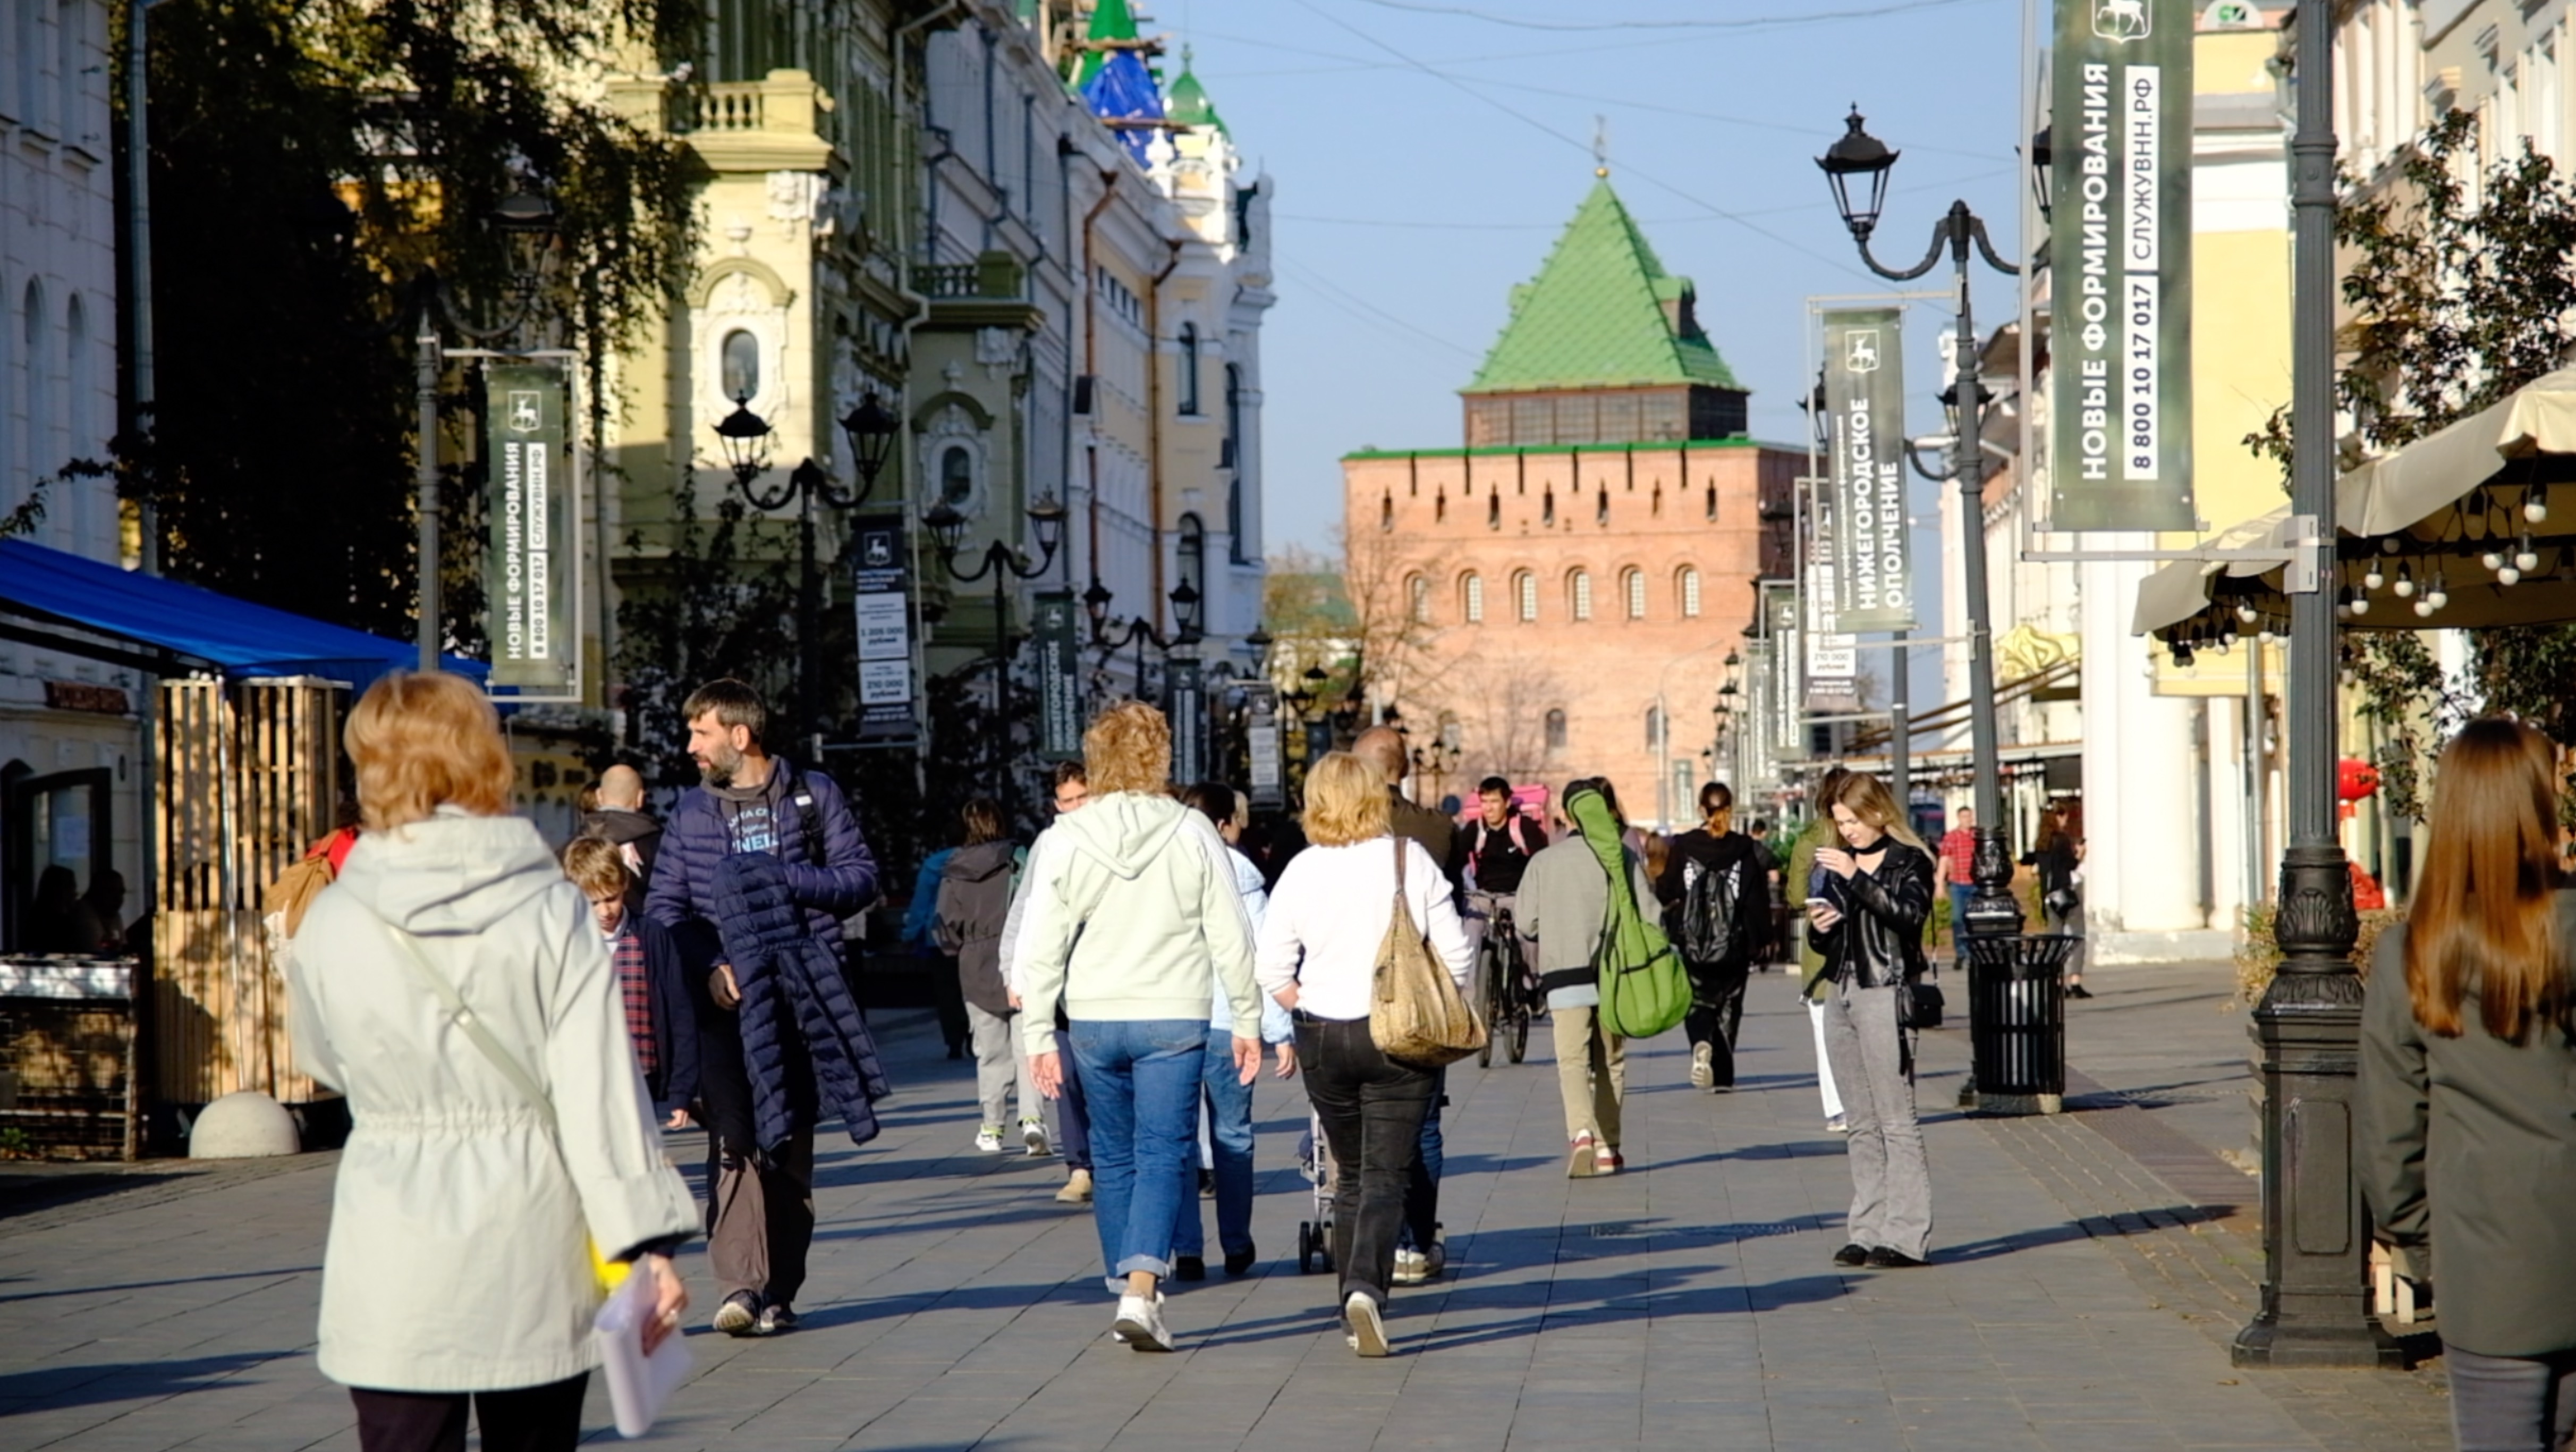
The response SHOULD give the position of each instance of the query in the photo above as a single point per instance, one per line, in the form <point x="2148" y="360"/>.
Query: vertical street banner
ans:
<point x="1185" y="685"/>
<point x="1757" y="763"/>
<point x="533" y="563"/>
<point x="1784" y="724"/>
<point x="1059" y="678"/>
<point x="1865" y="398"/>
<point x="880" y="594"/>
<point x="1831" y="664"/>
<point x="1269" y="789"/>
<point x="2120" y="265"/>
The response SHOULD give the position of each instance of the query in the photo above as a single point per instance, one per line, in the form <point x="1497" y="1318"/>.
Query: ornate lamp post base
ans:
<point x="2316" y="1240"/>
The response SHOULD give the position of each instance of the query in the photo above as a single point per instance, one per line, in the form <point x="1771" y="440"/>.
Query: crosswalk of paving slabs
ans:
<point x="1687" y="1303"/>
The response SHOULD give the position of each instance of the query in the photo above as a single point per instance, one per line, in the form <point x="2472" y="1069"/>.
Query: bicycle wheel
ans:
<point x="1492" y="1001"/>
<point x="1517" y="1023"/>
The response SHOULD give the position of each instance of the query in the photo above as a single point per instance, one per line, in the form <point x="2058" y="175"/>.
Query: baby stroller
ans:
<point x="1315" y="1162"/>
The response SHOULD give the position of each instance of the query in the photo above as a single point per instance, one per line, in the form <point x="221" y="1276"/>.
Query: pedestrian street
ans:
<point x="2075" y="1300"/>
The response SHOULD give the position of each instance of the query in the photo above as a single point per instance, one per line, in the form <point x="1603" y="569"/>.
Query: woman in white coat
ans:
<point x="451" y="984"/>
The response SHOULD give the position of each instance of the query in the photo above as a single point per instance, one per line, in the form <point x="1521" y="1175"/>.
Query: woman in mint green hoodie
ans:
<point x="1134" y="924"/>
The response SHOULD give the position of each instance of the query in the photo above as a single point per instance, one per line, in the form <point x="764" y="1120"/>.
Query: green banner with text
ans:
<point x="533" y="563"/>
<point x="2120" y="265"/>
<point x="1865" y="398"/>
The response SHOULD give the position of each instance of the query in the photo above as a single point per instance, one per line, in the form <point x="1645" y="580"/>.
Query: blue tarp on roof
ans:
<point x="198" y="625"/>
<point x="1125" y="90"/>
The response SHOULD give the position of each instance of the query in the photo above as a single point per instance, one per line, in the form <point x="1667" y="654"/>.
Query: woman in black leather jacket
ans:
<point x="1865" y="914"/>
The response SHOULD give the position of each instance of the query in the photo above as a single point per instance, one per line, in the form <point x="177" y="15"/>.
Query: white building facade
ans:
<point x="68" y="744"/>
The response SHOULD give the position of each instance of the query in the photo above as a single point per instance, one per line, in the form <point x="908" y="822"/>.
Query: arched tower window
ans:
<point x="1632" y="587"/>
<point x="1417" y="596"/>
<point x="1578" y="594"/>
<point x="1687" y="588"/>
<point x="1191" y="552"/>
<point x="1654" y="728"/>
<point x="739" y="358"/>
<point x="1525" y="595"/>
<point x="1556" y="730"/>
<point x="1471" y="599"/>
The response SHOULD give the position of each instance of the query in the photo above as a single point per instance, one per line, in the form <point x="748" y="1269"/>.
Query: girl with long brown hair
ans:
<point x="2468" y="1088"/>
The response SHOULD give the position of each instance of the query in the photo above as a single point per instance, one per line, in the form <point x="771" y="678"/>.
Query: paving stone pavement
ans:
<point x="2078" y="1300"/>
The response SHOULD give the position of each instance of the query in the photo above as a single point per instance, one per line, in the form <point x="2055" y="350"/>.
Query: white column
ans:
<point x="2141" y="824"/>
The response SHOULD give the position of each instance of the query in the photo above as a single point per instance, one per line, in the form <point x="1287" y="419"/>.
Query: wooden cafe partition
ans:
<point x="249" y="778"/>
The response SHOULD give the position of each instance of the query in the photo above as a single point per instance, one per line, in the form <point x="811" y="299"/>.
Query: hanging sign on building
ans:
<point x="880" y="593"/>
<point x="1873" y="566"/>
<point x="1059" y="677"/>
<point x="2120" y="154"/>
<point x="1185" y="684"/>
<point x="533" y="564"/>
<point x="1785" y="722"/>
<point x="1261" y="739"/>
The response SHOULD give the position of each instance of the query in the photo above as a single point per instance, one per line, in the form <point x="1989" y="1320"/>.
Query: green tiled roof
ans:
<point x="1189" y="104"/>
<point x="1594" y="317"/>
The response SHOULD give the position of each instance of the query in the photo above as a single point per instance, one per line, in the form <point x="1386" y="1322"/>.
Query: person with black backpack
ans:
<point x="1715" y="888"/>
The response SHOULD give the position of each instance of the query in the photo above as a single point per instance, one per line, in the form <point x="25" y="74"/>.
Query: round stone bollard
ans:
<point x="243" y="1125"/>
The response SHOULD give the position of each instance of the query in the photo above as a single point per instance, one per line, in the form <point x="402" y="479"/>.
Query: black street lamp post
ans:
<point x="1004" y="564"/>
<point x="745" y="436"/>
<point x="2308" y="1026"/>
<point x="1141" y="632"/>
<point x="527" y="222"/>
<point x="1859" y="160"/>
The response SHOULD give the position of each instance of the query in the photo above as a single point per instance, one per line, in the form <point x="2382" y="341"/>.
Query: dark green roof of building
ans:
<point x="1110" y="20"/>
<point x="1597" y="315"/>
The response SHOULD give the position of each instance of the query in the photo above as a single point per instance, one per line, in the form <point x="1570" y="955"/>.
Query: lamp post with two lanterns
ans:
<point x="1858" y="164"/>
<point x="1141" y="632"/>
<point x="1003" y="564"/>
<point x="871" y="428"/>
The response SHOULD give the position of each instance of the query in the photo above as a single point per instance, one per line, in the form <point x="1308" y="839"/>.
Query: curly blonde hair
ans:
<point x="1345" y="801"/>
<point x="422" y="741"/>
<point x="1128" y="749"/>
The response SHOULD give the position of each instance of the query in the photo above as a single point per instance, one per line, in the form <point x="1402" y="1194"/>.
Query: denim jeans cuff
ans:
<point x="1152" y="1265"/>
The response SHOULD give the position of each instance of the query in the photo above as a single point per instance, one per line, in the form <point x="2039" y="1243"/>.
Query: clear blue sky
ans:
<point x="1416" y="180"/>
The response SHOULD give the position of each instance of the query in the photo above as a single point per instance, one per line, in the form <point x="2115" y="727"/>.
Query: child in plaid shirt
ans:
<point x="659" y="1019"/>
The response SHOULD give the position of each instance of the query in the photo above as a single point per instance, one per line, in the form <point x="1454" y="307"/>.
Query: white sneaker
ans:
<point x="1367" y="1330"/>
<point x="1140" y="1323"/>
<point x="1033" y="1135"/>
<point x="1835" y="1125"/>
<point x="1411" y="1266"/>
<point x="989" y="1139"/>
<point x="1703" y="1066"/>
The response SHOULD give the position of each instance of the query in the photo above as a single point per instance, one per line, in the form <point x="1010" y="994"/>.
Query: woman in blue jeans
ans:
<point x="1133" y="924"/>
<point x="2466" y="1136"/>
<point x="1227" y="1100"/>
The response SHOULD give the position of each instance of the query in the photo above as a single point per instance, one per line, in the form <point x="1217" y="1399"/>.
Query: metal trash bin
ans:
<point x="2017" y="1022"/>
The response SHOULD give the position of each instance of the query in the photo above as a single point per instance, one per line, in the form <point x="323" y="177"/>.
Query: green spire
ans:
<point x="1602" y="313"/>
<point x="1110" y="20"/>
<point x="1190" y="105"/>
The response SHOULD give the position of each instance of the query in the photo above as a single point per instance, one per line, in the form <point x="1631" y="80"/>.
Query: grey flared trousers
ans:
<point x="1891" y="1180"/>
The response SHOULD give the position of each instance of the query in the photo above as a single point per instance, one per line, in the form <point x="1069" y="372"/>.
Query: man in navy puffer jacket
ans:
<point x="770" y="1027"/>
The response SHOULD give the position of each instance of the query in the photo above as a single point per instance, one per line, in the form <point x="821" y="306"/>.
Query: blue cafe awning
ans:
<point x="166" y="626"/>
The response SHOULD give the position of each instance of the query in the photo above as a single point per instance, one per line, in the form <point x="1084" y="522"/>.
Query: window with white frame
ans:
<point x="1688" y="590"/>
<point x="1632" y="586"/>
<point x="1417" y="594"/>
<point x="1578" y="592"/>
<point x="1471" y="599"/>
<point x="1525" y="595"/>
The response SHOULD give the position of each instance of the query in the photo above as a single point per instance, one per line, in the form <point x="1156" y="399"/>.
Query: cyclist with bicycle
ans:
<point x="1499" y="847"/>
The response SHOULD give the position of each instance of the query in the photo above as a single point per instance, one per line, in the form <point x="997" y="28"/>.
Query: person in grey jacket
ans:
<point x="452" y="983"/>
<point x="2466" y="1132"/>
<point x="1564" y="899"/>
<point x="974" y="905"/>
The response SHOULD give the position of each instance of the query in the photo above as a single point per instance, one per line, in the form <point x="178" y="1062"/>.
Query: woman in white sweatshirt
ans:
<point x="1319" y="946"/>
<point x="1133" y="922"/>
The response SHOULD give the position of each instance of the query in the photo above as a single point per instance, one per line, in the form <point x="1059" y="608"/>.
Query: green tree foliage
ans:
<point x="311" y="163"/>
<point x="2458" y="295"/>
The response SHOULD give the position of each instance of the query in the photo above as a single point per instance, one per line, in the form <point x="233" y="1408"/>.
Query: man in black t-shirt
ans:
<point x="1499" y="846"/>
